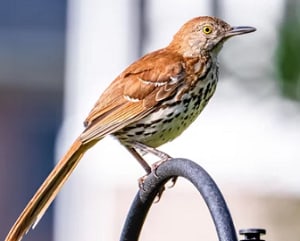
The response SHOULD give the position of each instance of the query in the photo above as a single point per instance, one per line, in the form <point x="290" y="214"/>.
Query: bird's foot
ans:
<point x="154" y="167"/>
<point x="141" y="182"/>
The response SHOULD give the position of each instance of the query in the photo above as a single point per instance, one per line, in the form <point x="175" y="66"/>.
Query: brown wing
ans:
<point x="135" y="93"/>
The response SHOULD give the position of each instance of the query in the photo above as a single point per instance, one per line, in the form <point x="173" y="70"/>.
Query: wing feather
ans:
<point x="135" y="93"/>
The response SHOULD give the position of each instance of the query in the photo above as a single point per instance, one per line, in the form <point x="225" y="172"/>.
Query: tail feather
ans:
<point x="42" y="199"/>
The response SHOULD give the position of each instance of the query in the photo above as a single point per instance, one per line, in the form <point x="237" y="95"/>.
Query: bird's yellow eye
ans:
<point x="207" y="29"/>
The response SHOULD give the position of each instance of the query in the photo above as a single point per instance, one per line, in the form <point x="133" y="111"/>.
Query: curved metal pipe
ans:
<point x="201" y="180"/>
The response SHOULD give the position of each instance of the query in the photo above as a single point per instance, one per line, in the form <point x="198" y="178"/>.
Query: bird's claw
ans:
<point x="141" y="182"/>
<point x="173" y="182"/>
<point x="154" y="167"/>
<point x="159" y="194"/>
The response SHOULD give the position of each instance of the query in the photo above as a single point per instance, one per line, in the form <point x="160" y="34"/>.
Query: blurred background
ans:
<point x="57" y="56"/>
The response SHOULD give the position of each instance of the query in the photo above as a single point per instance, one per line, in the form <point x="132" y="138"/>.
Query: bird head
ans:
<point x="204" y="35"/>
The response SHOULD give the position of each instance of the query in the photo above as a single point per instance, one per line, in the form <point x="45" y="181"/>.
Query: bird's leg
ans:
<point x="140" y="159"/>
<point x="147" y="149"/>
<point x="147" y="168"/>
<point x="143" y="163"/>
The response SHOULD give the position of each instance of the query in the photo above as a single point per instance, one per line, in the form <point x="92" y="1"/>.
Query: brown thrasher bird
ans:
<point x="150" y="103"/>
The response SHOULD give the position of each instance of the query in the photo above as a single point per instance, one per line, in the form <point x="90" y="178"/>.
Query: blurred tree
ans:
<point x="288" y="51"/>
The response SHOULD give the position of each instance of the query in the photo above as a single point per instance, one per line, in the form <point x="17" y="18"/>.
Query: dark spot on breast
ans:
<point x="177" y="115"/>
<point x="167" y="121"/>
<point x="197" y="103"/>
<point x="207" y="90"/>
<point x="140" y="125"/>
<point x="138" y="133"/>
<point x="185" y="110"/>
<point x="154" y="122"/>
<point x="200" y="92"/>
<point x="150" y="133"/>
<point x="198" y="99"/>
<point x="128" y="128"/>
<point x="186" y="101"/>
<point x="153" y="126"/>
<point x="174" y="103"/>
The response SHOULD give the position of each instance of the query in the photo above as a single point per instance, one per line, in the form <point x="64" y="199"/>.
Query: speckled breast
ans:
<point x="169" y="121"/>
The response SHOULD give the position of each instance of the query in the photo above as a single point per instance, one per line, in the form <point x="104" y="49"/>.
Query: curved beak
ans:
<point x="239" y="30"/>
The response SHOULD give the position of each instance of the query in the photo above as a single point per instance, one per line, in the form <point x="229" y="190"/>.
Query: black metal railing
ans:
<point x="210" y="192"/>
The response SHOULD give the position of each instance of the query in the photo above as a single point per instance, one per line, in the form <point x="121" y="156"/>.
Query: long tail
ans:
<point x="39" y="203"/>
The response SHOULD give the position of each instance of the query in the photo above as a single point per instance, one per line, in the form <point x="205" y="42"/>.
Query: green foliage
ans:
<point x="288" y="52"/>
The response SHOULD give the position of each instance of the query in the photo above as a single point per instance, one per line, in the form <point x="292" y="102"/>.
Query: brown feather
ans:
<point x="135" y="93"/>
